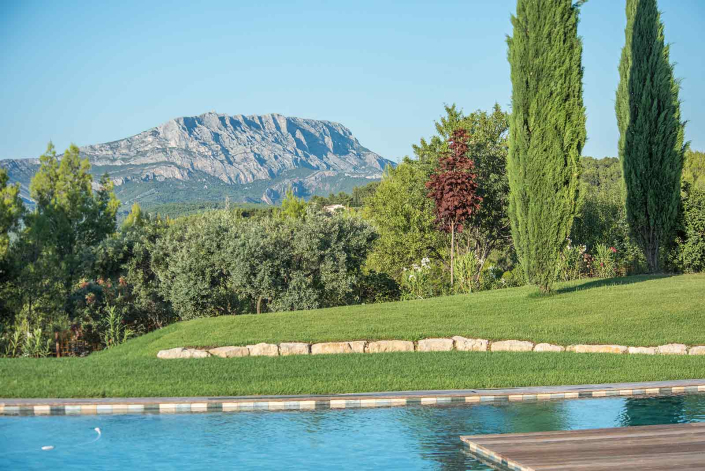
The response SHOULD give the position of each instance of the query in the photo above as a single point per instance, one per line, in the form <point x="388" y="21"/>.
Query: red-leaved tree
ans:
<point x="454" y="189"/>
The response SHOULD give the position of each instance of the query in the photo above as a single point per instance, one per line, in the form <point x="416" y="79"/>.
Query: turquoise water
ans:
<point x="417" y="437"/>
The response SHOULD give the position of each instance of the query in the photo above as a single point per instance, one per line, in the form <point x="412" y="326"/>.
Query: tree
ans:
<point x="135" y="218"/>
<point x="453" y="190"/>
<point x="651" y="140"/>
<point x="293" y="207"/>
<point x="488" y="228"/>
<point x="547" y="133"/>
<point x="404" y="218"/>
<point x="11" y="210"/>
<point x="69" y="219"/>
<point x="694" y="169"/>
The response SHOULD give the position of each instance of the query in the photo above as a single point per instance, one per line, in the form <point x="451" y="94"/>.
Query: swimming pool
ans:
<point x="413" y="437"/>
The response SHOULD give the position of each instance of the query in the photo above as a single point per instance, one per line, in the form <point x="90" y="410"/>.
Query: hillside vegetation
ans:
<point x="629" y="311"/>
<point x="639" y="310"/>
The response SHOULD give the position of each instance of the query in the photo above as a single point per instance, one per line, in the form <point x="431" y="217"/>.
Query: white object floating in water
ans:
<point x="46" y="448"/>
<point x="97" y="430"/>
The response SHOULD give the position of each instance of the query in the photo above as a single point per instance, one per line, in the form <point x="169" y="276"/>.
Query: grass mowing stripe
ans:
<point x="103" y="376"/>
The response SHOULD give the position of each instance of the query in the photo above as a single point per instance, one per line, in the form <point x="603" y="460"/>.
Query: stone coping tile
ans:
<point x="342" y="401"/>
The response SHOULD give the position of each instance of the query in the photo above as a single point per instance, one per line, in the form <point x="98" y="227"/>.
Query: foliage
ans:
<point x="604" y="262"/>
<point x="453" y="190"/>
<point x="114" y="332"/>
<point x="355" y="200"/>
<point x="136" y="218"/>
<point x="651" y="143"/>
<point x="293" y="207"/>
<point x="547" y="132"/>
<point x="191" y="267"/>
<point x="298" y="264"/>
<point x="420" y="281"/>
<point x="404" y="218"/>
<point x="689" y="252"/>
<point x="488" y="228"/>
<point x="11" y="211"/>
<point x="375" y="287"/>
<point x="694" y="169"/>
<point x="124" y="260"/>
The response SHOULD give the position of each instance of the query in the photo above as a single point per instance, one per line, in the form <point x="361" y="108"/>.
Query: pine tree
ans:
<point x="651" y="146"/>
<point x="547" y="132"/>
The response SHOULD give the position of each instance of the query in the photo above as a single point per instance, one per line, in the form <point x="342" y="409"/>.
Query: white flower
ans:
<point x="425" y="262"/>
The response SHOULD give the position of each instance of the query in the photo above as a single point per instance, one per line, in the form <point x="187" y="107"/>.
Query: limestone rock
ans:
<point x="230" y="352"/>
<point x="511" y="346"/>
<point x="383" y="346"/>
<point x="642" y="350"/>
<point x="294" y="348"/>
<point x="171" y="353"/>
<point x="699" y="350"/>
<point x="672" y="349"/>
<point x="263" y="350"/>
<point x="547" y="347"/>
<point x="618" y="349"/>
<point x="195" y="353"/>
<point x="470" y="345"/>
<point x="358" y="346"/>
<point x="329" y="348"/>
<point x="435" y="345"/>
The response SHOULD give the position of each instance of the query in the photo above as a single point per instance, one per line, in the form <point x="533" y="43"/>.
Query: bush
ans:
<point x="689" y="252"/>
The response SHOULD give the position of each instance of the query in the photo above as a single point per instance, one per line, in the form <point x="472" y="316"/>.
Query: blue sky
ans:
<point x="91" y="72"/>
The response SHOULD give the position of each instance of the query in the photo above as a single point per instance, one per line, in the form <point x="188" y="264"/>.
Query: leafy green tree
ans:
<point x="694" y="169"/>
<point x="68" y="222"/>
<point x="11" y="210"/>
<point x="547" y="133"/>
<point x="126" y="260"/>
<point x="293" y="207"/>
<point x="304" y="263"/>
<point x="404" y="218"/>
<point x="689" y="252"/>
<point x="488" y="227"/>
<point x="135" y="218"/>
<point x="651" y="142"/>
<point x="191" y="266"/>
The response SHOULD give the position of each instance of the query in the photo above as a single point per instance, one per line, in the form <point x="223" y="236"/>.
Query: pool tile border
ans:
<point x="37" y="407"/>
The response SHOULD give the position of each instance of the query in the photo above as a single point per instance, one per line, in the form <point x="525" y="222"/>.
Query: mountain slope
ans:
<point x="213" y="156"/>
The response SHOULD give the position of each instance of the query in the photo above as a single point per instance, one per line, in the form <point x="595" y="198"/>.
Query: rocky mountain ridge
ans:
<point x="211" y="156"/>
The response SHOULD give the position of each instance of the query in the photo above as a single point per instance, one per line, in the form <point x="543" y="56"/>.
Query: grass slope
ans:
<point x="631" y="311"/>
<point x="635" y="311"/>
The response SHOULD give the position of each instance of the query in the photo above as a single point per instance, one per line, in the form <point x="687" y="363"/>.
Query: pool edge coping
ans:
<point x="73" y="406"/>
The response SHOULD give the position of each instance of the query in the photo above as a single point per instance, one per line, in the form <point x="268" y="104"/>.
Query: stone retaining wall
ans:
<point x="426" y="345"/>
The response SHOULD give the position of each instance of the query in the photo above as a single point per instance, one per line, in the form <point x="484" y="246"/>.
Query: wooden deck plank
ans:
<point x="653" y="447"/>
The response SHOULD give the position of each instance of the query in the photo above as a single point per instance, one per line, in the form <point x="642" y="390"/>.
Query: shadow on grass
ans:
<point x="601" y="283"/>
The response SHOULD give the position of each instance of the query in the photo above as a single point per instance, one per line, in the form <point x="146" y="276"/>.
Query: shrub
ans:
<point x="604" y="264"/>
<point x="689" y="252"/>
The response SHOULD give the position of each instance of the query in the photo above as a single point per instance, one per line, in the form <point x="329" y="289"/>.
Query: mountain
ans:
<point x="214" y="156"/>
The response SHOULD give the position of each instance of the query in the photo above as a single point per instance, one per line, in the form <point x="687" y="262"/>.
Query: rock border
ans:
<point x="169" y="405"/>
<point x="456" y="343"/>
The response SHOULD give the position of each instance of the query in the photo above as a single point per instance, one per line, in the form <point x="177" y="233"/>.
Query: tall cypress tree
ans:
<point x="651" y="132"/>
<point x="546" y="132"/>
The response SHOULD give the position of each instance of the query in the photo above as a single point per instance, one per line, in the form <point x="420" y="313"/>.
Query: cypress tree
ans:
<point x="546" y="132"/>
<point x="651" y="132"/>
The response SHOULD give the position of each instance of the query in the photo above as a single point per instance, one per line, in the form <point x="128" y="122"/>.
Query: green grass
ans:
<point x="642" y="311"/>
<point x="104" y="376"/>
<point x="635" y="311"/>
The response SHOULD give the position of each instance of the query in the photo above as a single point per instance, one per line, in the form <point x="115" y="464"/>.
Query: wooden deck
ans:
<point x="653" y="447"/>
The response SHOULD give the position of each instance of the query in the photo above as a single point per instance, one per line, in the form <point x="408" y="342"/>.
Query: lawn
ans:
<point x="643" y="311"/>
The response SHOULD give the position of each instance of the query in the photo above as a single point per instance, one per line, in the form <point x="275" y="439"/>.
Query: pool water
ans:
<point x="414" y="437"/>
